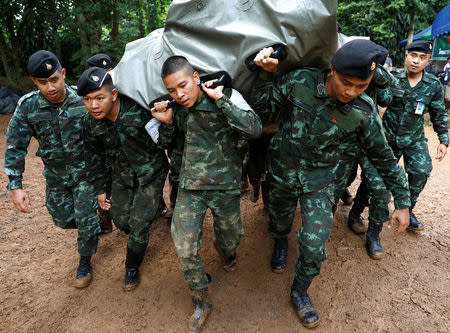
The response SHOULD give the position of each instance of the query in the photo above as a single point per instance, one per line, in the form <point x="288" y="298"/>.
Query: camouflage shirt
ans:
<point x="124" y="142"/>
<point x="403" y="119"/>
<point x="57" y="128"/>
<point x="211" y="130"/>
<point x="317" y="133"/>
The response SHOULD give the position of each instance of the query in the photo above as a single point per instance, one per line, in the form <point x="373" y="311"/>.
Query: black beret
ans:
<point x="424" y="46"/>
<point x="359" y="58"/>
<point x="42" y="64"/>
<point x="90" y="80"/>
<point x="100" y="60"/>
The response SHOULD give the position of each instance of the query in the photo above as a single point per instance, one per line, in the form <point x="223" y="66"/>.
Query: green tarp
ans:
<point x="219" y="35"/>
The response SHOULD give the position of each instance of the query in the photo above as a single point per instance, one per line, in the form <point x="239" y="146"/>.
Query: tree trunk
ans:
<point x="12" y="71"/>
<point x="141" y="26"/>
<point x="115" y="24"/>
<point x="410" y="28"/>
<point x="12" y="36"/>
<point x="57" y="42"/>
<point x="84" y="41"/>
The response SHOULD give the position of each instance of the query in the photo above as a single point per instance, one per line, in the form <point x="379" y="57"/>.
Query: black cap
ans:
<point x="424" y="46"/>
<point x="100" y="60"/>
<point x="359" y="58"/>
<point x="42" y="64"/>
<point x="90" y="80"/>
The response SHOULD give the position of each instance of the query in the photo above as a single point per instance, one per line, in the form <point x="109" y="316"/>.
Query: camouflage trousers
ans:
<point x="373" y="193"/>
<point x="75" y="207"/>
<point x="134" y="206"/>
<point x="418" y="166"/>
<point x="317" y="221"/>
<point x="187" y="224"/>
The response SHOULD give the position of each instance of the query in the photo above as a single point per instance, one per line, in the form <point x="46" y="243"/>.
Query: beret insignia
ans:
<point x="49" y="67"/>
<point x="372" y="66"/>
<point x="95" y="78"/>
<point x="104" y="62"/>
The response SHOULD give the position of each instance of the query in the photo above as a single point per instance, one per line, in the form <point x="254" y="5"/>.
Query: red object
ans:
<point x="334" y="120"/>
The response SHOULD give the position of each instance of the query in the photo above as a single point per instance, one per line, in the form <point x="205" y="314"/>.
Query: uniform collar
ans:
<point x="71" y="97"/>
<point x="426" y="77"/>
<point x="202" y="104"/>
<point x="402" y="73"/>
<point x="343" y="107"/>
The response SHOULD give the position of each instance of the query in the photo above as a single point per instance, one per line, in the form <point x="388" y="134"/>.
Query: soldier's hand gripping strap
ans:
<point x="280" y="53"/>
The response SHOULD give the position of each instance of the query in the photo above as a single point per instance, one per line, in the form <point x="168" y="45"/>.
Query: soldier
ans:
<point x="53" y="115"/>
<point x="325" y="119"/>
<point x="102" y="60"/>
<point x="115" y="130"/>
<point x="414" y="93"/>
<point x="371" y="191"/>
<point x="211" y="120"/>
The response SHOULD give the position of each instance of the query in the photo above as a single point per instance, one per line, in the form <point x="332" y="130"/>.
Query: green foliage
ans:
<point x="387" y="21"/>
<point x="73" y="30"/>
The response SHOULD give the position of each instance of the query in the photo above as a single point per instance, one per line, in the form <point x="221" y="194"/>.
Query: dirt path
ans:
<point x="407" y="291"/>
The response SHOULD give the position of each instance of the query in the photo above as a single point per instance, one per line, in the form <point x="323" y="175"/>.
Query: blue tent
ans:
<point x="424" y="34"/>
<point x="441" y="23"/>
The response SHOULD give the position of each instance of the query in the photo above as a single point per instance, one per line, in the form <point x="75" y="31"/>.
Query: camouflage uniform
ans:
<point x="70" y="199"/>
<point x="210" y="176"/>
<point x="404" y="129"/>
<point x="139" y="169"/>
<point x="372" y="191"/>
<point x="316" y="134"/>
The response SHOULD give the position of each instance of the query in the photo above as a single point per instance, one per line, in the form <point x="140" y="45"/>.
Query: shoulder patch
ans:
<point x="26" y="96"/>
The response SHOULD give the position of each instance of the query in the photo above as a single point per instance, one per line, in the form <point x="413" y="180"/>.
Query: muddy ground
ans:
<point x="407" y="291"/>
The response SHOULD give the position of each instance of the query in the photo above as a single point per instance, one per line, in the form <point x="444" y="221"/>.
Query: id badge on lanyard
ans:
<point x="420" y="108"/>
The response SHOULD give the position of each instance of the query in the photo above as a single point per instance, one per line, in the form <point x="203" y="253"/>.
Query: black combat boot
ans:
<point x="279" y="255"/>
<point x="354" y="218"/>
<point x="309" y="317"/>
<point x="230" y="262"/>
<point x="84" y="272"/>
<point x="373" y="242"/>
<point x="105" y="221"/>
<point x="202" y="308"/>
<point x="347" y="198"/>
<point x="132" y="264"/>
<point x="414" y="223"/>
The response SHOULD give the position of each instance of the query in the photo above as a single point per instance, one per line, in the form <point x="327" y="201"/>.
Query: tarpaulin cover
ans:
<point x="219" y="35"/>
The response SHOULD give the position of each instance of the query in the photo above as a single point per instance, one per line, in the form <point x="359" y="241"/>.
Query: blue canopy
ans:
<point x="441" y="23"/>
<point x="417" y="36"/>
